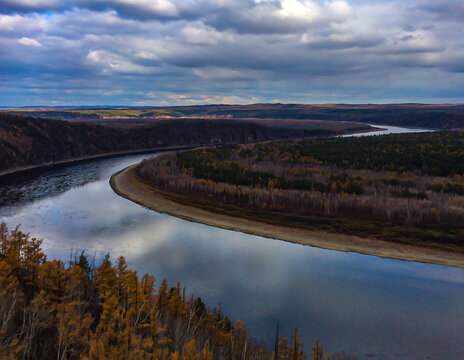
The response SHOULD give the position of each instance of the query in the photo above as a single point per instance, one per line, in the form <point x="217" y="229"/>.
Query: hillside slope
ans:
<point x="26" y="141"/>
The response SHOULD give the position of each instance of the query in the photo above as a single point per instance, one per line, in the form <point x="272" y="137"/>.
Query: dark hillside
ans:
<point x="434" y="117"/>
<point x="28" y="141"/>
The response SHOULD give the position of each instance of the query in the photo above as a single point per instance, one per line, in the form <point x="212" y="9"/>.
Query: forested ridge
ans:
<point x="81" y="310"/>
<point x="434" y="117"/>
<point x="438" y="116"/>
<point x="430" y="153"/>
<point x="407" y="188"/>
<point x="28" y="141"/>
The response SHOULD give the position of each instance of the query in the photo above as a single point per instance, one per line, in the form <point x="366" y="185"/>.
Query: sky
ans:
<point x="183" y="52"/>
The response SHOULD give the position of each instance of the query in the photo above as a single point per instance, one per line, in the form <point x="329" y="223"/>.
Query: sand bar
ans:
<point x="128" y="184"/>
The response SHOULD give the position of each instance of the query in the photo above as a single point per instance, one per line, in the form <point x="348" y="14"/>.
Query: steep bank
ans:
<point x="129" y="185"/>
<point x="27" y="141"/>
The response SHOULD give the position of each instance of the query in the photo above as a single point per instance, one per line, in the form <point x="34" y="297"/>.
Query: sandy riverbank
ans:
<point x="128" y="184"/>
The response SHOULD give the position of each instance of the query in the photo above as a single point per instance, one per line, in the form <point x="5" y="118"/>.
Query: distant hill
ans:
<point x="438" y="116"/>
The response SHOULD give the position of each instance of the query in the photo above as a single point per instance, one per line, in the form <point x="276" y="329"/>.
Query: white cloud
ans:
<point x="109" y="62"/>
<point x="224" y="74"/>
<point x="307" y="11"/>
<point x="29" y="42"/>
<point x="22" y="23"/>
<point x="200" y="34"/>
<point x="211" y="99"/>
<point x="340" y="9"/>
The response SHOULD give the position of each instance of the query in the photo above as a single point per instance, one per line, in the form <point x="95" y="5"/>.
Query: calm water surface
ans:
<point x="371" y="307"/>
<point x="389" y="129"/>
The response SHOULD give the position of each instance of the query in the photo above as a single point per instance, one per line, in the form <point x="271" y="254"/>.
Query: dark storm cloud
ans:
<point x="143" y="52"/>
<point x="11" y="6"/>
<point x="141" y="9"/>
<point x="457" y="68"/>
<point x="449" y="10"/>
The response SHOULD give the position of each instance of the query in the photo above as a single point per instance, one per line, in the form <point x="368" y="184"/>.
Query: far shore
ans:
<point x="128" y="184"/>
<point x="77" y="160"/>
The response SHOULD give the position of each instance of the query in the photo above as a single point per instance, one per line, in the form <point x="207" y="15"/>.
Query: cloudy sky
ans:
<point x="172" y="52"/>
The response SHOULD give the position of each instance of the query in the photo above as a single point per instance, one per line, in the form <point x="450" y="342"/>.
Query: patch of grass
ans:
<point x="126" y="112"/>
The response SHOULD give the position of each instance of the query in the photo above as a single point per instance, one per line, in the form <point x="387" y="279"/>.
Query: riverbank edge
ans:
<point x="50" y="165"/>
<point x="128" y="184"/>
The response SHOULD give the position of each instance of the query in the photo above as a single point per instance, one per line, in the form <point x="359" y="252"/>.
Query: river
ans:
<point x="371" y="307"/>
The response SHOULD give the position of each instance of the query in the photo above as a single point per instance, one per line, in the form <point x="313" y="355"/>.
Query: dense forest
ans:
<point x="431" y="153"/>
<point x="80" y="310"/>
<point x="30" y="141"/>
<point x="446" y="116"/>
<point x="406" y="188"/>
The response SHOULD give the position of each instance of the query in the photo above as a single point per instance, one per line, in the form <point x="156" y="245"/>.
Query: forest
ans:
<point x="50" y="309"/>
<point x="404" y="188"/>
<point x="26" y="141"/>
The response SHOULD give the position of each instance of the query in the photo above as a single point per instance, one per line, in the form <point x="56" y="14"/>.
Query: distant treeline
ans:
<point x="418" y="115"/>
<point x="81" y="310"/>
<point x="406" y="188"/>
<point x="30" y="141"/>
<point x="437" y="117"/>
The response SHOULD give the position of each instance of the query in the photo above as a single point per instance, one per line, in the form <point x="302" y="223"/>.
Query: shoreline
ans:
<point x="129" y="185"/>
<point x="50" y="165"/>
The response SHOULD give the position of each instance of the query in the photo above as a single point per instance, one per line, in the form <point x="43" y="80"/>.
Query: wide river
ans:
<point x="371" y="307"/>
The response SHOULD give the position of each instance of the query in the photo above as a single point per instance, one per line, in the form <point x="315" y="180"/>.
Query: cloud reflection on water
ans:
<point x="355" y="302"/>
